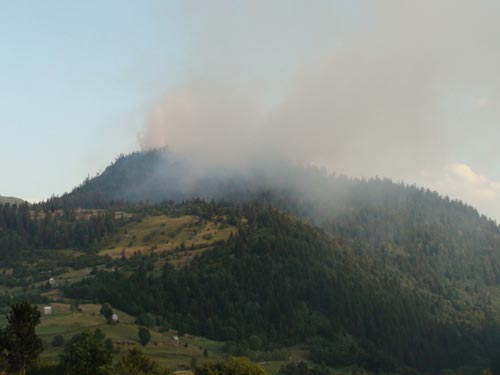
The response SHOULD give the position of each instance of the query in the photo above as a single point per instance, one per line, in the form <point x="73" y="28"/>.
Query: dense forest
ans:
<point x="23" y="228"/>
<point x="285" y="282"/>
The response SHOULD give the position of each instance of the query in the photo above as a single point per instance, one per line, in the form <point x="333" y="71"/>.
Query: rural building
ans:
<point x="176" y="340"/>
<point x="47" y="310"/>
<point x="52" y="282"/>
<point x="114" y="318"/>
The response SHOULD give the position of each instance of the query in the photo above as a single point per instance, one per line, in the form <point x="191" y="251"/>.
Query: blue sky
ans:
<point x="408" y="90"/>
<point x="76" y="80"/>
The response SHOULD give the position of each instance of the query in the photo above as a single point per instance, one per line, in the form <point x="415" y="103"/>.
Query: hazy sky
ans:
<point x="408" y="90"/>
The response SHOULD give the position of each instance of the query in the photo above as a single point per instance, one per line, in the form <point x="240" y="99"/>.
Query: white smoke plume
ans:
<point x="388" y="88"/>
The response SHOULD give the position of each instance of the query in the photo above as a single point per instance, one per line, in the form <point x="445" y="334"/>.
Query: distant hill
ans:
<point x="11" y="200"/>
<point x="160" y="175"/>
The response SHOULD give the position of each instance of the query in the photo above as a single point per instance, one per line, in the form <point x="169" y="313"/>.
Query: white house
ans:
<point x="52" y="282"/>
<point x="176" y="340"/>
<point x="114" y="318"/>
<point x="47" y="310"/>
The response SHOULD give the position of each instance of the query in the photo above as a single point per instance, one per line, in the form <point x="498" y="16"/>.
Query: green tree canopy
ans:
<point x="19" y="338"/>
<point x="99" y="334"/>
<point x="85" y="355"/>
<point x="135" y="362"/>
<point x="107" y="311"/>
<point x="146" y="319"/>
<point x="144" y="335"/>
<point x="230" y="366"/>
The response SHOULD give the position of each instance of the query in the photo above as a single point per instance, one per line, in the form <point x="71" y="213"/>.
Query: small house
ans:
<point x="47" y="310"/>
<point x="114" y="318"/>
<point x="176" y="340"/>
<point x="52" y="282"/>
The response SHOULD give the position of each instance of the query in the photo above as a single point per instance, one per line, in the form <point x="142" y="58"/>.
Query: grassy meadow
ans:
<point x="161" y="348"/>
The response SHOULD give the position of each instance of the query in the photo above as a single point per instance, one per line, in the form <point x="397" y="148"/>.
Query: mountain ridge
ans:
<point x="11" y="200"/>
<point x="157" y="175"/>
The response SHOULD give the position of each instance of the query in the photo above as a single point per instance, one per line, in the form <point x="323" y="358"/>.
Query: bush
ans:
<point x="144" y="335"/>
<point x="108" y="345"/>
<point x="146" y="320"/>
<point x="99" y="334"/>
<point x="57" y="341"/>
<point x="231" y="366"/>
<point x="107" y="311"/>
<point x="85" y="355"/>
<point x="136" y="362"/>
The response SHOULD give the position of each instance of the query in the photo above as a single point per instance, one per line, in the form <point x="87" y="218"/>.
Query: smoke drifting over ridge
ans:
<point x="407" y="90"/>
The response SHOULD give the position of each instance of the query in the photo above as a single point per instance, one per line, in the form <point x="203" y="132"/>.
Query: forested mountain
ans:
<point x="160" y="175"/>
<point x="369" y="272"/>
<point x="431" y="239"/>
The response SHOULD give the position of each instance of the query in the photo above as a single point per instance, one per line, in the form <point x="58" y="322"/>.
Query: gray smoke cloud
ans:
<point x="407" y="90"/>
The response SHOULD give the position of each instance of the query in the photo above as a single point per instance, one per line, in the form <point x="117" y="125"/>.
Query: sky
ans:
<point x="407" y="90"/>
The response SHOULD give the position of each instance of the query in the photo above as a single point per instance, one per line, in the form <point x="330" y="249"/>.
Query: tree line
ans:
<point x="23" y="228"/>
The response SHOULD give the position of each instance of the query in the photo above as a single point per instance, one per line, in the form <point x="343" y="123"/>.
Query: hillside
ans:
<point x="162" y="349"/>
<point x="354" y="272"/>
<point x="283" y="282"/>
<point x="439" y="244"/>
<point x="40" y="244"/>
<point x="260" y="279"/>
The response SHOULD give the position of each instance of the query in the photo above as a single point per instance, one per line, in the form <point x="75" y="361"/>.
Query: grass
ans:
<point x="161" y="348"/>
<point x="164" y="233"/>
<point x="124" y="336"/>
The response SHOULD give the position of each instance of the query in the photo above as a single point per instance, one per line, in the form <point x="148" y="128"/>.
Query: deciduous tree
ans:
<point x="19" y="338"/>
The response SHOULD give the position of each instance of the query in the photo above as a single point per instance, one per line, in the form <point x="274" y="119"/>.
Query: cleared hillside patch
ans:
<point x="163" y="233"/>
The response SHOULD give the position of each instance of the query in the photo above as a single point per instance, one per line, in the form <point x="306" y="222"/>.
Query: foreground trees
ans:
<point x="18" y="340"/>
<point x="231" y="366"/>
<point x="136" y="362"/>
<point x="85" y="355"/>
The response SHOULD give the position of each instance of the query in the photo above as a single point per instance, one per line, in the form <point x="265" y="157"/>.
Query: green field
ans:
<point x="161" y="348"/>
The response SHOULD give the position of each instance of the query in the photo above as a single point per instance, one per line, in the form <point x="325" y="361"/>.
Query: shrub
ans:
<point x="146" y="320"/>
<point x="57" y="341"/>
<point x="144" y="336"/>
